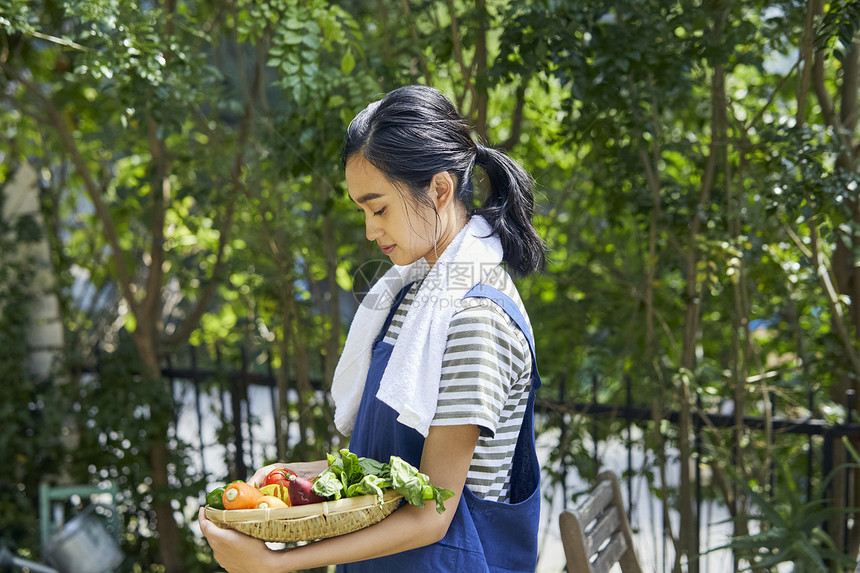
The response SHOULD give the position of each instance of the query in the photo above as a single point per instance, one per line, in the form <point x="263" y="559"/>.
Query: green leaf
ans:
<point x="369" y="485"/>
<point x="291" y="38"/>
<point x="412" y="484"/>
<point x="329" y="485"/>
<point x="352" y="470"/>
<point x="311" y="40"/>
<point x="347" y="63"/>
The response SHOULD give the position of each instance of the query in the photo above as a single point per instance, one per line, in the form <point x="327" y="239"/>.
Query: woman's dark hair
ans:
<point x="415" y="132"/>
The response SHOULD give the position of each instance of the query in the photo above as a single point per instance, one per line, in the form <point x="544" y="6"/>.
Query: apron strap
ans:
<point x="525" y="467"/>
<point x="512" y="310"/>
<point x="397" y="300"/>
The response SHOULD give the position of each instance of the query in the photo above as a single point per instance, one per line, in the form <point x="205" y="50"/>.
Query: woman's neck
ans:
<point x="447" y="236"/>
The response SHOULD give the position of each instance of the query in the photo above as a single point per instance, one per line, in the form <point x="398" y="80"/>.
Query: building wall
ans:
<point x="45" y="338"/>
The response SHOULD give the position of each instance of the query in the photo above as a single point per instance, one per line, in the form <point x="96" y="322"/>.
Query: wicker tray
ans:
<point x="307" y="522"/>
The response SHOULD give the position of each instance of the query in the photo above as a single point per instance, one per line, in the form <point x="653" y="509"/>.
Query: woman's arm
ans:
<point x="446" y="458"/>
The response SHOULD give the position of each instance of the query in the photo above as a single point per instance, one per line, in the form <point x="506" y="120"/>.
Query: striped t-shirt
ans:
<point x="486" y="378"/>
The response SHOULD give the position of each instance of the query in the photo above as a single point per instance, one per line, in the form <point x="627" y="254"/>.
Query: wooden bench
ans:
<point x="596" y="535"/>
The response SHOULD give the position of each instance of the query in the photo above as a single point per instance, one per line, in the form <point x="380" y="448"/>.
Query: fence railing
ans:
<point x="236" y="406"/>
<point x="632" y="413"/>
<point x="235" y="403"/>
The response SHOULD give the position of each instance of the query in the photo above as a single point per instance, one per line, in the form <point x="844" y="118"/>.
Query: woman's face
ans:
<point x="402" y="229"/>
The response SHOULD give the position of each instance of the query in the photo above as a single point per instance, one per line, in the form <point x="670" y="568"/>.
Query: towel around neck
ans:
<point x="410" y="384"/>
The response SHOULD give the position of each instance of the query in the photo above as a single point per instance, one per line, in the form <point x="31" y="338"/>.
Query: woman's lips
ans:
<point x="387" y="249"/>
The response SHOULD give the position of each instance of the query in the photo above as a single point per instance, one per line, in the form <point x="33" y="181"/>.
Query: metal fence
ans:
<point x="242" y="394"/>
<point x="822" y="439"/>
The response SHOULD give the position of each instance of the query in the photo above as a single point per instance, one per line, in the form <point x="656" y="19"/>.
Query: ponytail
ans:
<point x="414" y="132"/>
<point x="508" y="209"/>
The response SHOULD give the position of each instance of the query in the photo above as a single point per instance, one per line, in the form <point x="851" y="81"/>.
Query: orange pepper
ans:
<point x="270" y="502"/>
<point x="241" y="495"/>
<point x="279" y="491"/>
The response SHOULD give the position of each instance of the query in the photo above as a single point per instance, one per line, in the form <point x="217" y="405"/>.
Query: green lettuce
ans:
<point x="369" y="485"/>
<point x="415" y="486"/>
<point x="351" y="476"/>
<point x="328" y="485"/>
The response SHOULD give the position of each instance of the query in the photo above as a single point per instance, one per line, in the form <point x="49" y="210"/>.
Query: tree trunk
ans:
<point x="649" y="281"/>
<point x="688" y="531"/>
<point x="332" y="342"/>
<point x="288" y="341"/>
<point x="422" y="61"/>
<point x="738" y="360"/>
<point x="482" y="75"/>
<point x="168" y="532"/>
<point x="846" y="274"/>
<point x="303" y="383"/>
<point x="283" y="380"/>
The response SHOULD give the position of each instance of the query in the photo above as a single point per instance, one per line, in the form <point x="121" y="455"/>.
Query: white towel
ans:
<point x="410" y="384"/>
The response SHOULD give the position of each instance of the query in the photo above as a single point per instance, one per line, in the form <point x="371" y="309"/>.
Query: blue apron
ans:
<point x="484" y="536"/>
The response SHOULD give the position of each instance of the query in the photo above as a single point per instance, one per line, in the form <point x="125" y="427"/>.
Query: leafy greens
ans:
<point x="352" y="476"/>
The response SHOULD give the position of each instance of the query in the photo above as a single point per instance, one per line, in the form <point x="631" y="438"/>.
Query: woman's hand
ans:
<point x="302" y="469"/>
<point x="237" y="553"/>
<point x="445" y="459"/>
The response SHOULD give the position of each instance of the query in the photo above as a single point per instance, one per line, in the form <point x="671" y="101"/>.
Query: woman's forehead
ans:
<point x="365" y="181"/>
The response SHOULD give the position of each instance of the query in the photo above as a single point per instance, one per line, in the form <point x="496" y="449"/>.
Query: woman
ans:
<point x="438" y="366"/>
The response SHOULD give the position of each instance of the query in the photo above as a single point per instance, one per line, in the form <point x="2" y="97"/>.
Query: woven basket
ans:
<point x="307" y="522"/>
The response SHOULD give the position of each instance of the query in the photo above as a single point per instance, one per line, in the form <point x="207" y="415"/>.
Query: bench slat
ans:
<point x="596" y="535"/>
<point x="610" y="554"/>
<point x="607" y="523"/>
<point x="595" y="503"/>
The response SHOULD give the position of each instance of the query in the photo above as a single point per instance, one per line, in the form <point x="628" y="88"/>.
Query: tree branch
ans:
<point x="58" y="122"/>
<point x="160" y="193"/>
<point x="190" y="323"/>
<point x="807" y="56"/>
<point x="60" y="41"/>
<point x="751" y="123"/>
<point x="482" y="76"/>
<point x="457" y="48"/>
<point x="516" y="118"/>
<point x="202" y="304"/>
<point x="416" y="40"/>
<point x="819" y="85"/>
<point x="832" y="297"/>
<point x="850" y="86"/>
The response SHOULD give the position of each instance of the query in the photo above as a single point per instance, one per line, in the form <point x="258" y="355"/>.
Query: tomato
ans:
<point x="279" y="476"/>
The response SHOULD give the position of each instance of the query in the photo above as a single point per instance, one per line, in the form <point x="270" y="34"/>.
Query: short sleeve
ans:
<point x="483" y="358"/>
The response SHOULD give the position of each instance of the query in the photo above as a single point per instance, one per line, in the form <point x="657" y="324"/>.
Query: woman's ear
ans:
<point x="442" y="188"/>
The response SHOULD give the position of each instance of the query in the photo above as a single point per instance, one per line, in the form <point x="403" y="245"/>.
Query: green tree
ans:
<point x="690" y="213"/>
<point x="696" y="185"/>
<point x="176" y="122"/>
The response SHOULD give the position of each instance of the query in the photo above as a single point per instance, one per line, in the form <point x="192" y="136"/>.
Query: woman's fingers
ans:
<point x="237" y="553"/>
<point x="206" y="526"/>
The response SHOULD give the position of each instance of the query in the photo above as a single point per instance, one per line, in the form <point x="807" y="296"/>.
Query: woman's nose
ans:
<point x="370" y="231"/>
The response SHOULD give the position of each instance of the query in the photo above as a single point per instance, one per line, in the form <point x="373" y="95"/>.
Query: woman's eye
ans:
<point x="380" y="212"/>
